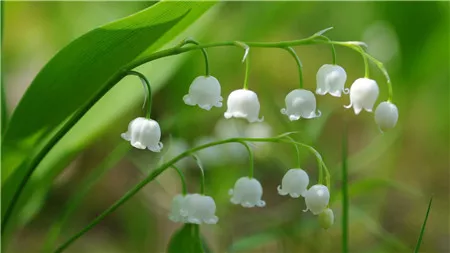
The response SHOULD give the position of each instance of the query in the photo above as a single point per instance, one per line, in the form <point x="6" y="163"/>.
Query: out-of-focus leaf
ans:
<point x="151" y="28"/>
<point x="254" y="241"/>
<point x="186" y="240"/>
<point x="365" y="186"/>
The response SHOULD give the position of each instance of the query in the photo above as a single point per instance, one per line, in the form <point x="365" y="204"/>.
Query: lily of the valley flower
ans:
<point x="386" y="115"/>
<point x="331" y="79"/>
<point x="177" y="211"/>
<point x="193" y="208"/>
<point x="317" y="198"/>
<point x="363" y="94"/>
<point x="144" y="133"/>
<point x="326" y="218"/>
<point x="294" y="183"/>
<point x="200" y="209"/>
<point x="204" y="92"/>
<point x="243" y="103"/>
<point x="300" y="103"/>
<point x="247" y="192"/>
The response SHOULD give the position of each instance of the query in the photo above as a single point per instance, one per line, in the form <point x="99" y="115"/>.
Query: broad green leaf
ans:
<point x="144" y="26"/>
<point x="186" y="240"/>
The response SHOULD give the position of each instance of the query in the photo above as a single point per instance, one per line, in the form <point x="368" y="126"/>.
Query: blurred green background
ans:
<point x="392" y="175"/>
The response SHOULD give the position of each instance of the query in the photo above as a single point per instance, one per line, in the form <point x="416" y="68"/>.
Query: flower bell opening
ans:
<point x="247" y="192"/>
<point x="331" y="79"/>
<point x="363" y="94"/>
<point x="244" y="104"/>
<point x="300" y="103"/>
<point x="144" y="133"/>
<point x="294" y="183"/>
<point x="204" y="92"/>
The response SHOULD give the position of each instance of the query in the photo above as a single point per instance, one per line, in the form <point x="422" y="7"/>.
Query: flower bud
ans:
<point x="326" y="218"/>
<point x="204" y="92"/>
<point x="331" y="79"/>
<point x="317" y="198"/>
<point x="294" y="183"/>
<point x="247" y="192"/>
<point x="243" y="103"/>
<point x="363" y="94"/>
<point x="300" y="103"/>
<point x="144" y="133"/>
<point x="386" y="115"/>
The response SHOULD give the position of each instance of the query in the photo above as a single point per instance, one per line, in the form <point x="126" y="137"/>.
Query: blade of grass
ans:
<point x="422" y="231"/>
<point x="74" y="202"/>
<point x="345" y="204"/>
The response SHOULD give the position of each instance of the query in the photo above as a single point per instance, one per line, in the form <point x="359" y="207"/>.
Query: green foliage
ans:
<point x="186" y="240"/>
<point x="422" y="230"/>
<point x="101" y="56"/>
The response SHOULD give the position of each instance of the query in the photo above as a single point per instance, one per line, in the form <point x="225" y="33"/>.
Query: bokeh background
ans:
<point x="392" y="175"/>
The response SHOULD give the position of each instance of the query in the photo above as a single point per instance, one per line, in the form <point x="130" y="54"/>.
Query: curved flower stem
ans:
<point x="320" y="162"/>
<point x="67" y="125"/>
<point x="333" y="50"/>
<point x="247" y="61"/>
<point x="148" y="89"/>
<point x="202" y="173"/>
<point x="182" y="179"/>
<point x="156" y="173"/>
<point x="205" y="54"/>
<point x="297" y="151"/>
<point x="251" y="159"/>
<point x="299" y="64"/>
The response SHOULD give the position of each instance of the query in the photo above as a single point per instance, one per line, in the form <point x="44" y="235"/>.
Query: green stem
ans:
<point x="314" y="39"/>
<point x="205" y="54"/>
<point x="333" y="50"/>
<point x="297" y="151"/>
<point x="202" y="174"/>
<point x="148" y="89"/>
<point x="345" y="202"/>
<point x="152" y="176"/>
<point x="182" y="179"/>
<point x="422" y="230"/>
<point x="251" y="159"/>
<point x="299" y="64"/>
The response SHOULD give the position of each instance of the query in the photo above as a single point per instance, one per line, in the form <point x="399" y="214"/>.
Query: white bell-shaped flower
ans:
<point x="326" y="218"/>
<point x="294" y="183"/>
<point x="204" y="92"/>
<point x="247" y="192"/>
<point x="363" y="94"/>
<point x="177" y="210"/>
<point x="386" y="115"/>
<point x="331" y="79"/>
<point x="243" y="103"/>
<point x="317" y="198"/>
<point x="144" y="133"/>
<point x="300" y="103"/>
<point x="199" y="209"/>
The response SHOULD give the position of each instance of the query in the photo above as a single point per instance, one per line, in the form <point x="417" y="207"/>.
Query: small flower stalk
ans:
<point x="193" y="208"/>
<point x="204" y="92"/>
<point x="331" y="79"/>
<point x="244" y="104"/>
<point x="144" y="134"/>
<point x="317" y="198"/>
<point x="300" y="103"/>
<point x="294" y="183"/>
<point x="326" y="218"/>
<point x="386" y="115"/>
<point x="363" y="94"/>
<point x="247" y="192"/>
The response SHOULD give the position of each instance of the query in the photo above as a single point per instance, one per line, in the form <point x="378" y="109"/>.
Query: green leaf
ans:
<point x="50" y="96"/>
<point x="186" y="240"/>
<point x="422" y="230"/>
